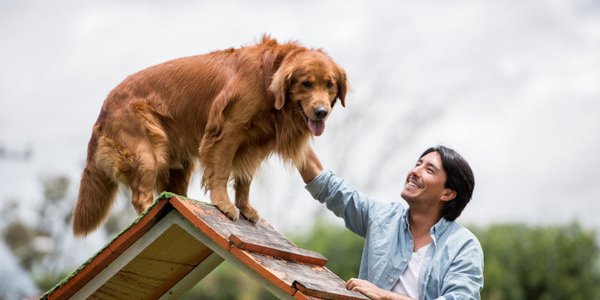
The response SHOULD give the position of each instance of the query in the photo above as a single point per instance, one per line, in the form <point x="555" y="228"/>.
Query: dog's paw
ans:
<point x="230" y="211"/>
<point x="251" y="214"/>
<point x="233" y="215"/>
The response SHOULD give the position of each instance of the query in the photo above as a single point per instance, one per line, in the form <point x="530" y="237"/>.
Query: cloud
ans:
<point x="514" y="86"/>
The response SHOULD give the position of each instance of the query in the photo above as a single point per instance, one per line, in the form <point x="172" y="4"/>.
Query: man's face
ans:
<point x="425" y="182"/>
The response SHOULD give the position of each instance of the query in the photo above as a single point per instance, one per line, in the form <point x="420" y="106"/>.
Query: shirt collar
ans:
<point x="440" y="227"/>
<point x="436" y="231"/>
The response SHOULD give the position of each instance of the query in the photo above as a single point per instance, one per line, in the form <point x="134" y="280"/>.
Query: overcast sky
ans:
<point x="514" y="86"/>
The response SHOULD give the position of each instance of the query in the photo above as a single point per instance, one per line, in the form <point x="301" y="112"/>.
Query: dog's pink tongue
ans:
<point x="316" y="127"/>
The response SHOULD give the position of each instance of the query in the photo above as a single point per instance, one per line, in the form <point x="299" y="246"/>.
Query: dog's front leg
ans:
<point x="216" y="157"/>
<point x="242" y="201"/>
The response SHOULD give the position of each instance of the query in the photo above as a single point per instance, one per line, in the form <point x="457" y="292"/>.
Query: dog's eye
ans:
<point x="307" y="84"/>
<point x="329" y="84"/>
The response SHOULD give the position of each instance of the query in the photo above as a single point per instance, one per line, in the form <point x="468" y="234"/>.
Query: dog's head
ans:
<point x="312" y="82"/>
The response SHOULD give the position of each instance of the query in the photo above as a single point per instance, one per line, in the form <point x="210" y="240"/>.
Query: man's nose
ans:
<point x="416" y="171"/>
<point x="412" y="172"/>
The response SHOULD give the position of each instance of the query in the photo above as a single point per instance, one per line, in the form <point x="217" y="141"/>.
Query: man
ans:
<point x="414" y="252"/>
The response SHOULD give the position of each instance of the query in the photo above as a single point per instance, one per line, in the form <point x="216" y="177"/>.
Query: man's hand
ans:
<point x="372" y="291"/>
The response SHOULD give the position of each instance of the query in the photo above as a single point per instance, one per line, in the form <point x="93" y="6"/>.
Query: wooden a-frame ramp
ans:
<point x="178" y="241"/>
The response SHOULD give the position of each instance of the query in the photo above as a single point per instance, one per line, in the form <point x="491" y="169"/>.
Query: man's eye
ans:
<point x="307" y="84"/>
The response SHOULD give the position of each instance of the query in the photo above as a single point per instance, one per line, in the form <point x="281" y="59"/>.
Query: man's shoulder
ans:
<point x="387" y="211"/>
<point x="458" y="234"/>
<point x="388" y="207"/>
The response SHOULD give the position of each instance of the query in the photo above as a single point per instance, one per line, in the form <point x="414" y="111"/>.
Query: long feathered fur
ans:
<point x="228" y="109"/>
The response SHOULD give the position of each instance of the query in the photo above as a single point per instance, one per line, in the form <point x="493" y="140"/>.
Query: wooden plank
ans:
<point x="260" y="237"/>
<point x="314" y="280"/>
<point x="142" y="279"/>
<point x="283" y="273"/>
<point x="101" y="260"/>
<point x="159" y="267"/>
<point x="281" y="293"/>
<point x="251" y="242"/>
<point x="193" y="277"/>
<point x="175" y="245"/>
<point x="122" y="260"/>
<point x="276" y="276"/>
<point x="203" y="217"/>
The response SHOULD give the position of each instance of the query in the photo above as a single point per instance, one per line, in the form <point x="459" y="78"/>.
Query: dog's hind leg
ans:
<point x="143" y="180"/>
<point x="179" y="179"/>
<point x="149" y="167"/>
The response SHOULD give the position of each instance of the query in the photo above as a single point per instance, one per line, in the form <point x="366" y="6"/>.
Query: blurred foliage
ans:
<point x="526" y="262"/>
<point x="341" y="247"/>
<point x="46" y="281"/>
<point x="39" y="244"/>
<point x="521" y="261"/>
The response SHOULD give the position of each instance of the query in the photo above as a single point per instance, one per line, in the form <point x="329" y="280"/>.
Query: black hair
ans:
<point x="459" y="178"/>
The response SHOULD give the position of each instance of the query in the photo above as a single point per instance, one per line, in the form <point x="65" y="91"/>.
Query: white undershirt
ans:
<point x="408" y="284"/>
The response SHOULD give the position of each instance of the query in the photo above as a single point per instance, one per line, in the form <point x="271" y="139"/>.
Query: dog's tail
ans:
<point x="96" y="195"/>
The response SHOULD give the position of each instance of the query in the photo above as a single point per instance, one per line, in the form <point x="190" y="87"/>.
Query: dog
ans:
<point x="228" y="110"/>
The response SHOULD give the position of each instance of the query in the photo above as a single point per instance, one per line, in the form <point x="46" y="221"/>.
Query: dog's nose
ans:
<point x="321" y="112"/>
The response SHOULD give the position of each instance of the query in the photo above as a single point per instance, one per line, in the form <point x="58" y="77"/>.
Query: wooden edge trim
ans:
<point x="111" y="252"/>
<point x="235" y="261"/>
<point x="131" y="235"/>
<point x="189" y="214"/>
<point x="312" y="258"/>
<point x="262" y="271"/>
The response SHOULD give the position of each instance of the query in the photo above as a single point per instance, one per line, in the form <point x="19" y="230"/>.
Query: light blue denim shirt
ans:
<point x="453" y="271"/>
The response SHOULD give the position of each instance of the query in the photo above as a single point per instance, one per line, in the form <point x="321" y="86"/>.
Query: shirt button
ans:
<point x="404" y="259"/>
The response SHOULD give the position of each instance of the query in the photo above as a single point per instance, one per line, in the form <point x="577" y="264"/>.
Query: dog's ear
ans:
<point x="280" y="84"/>
<point x="342" y="85"/>
<point x="270" y="63"/>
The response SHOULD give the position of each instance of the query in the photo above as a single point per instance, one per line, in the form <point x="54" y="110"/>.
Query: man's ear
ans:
<point x="448" y="195"/>
<point x="280" y="84"/>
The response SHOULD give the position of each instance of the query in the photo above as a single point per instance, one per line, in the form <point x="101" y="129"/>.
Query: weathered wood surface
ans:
<point x="168" y="258"/>
<point x="157" y="268"/>
<point x="253" y="243"/>
<point x="260" y="237"/>
<point x="269" y="253"/>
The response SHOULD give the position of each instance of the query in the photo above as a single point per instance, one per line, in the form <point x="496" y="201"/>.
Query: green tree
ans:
<point x="525" y="262"/>
<point x="339" y="245"/>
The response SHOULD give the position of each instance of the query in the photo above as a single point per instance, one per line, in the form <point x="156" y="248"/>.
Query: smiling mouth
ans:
<point x="413" y="183"/>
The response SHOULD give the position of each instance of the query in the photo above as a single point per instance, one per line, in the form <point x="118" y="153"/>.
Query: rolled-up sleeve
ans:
<point x="342" y="199"/>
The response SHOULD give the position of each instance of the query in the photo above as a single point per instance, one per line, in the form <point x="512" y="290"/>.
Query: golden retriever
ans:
<point x="229" y="109"/>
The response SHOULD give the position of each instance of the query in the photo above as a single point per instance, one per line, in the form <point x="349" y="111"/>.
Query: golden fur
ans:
<point x="230" y="109"/>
